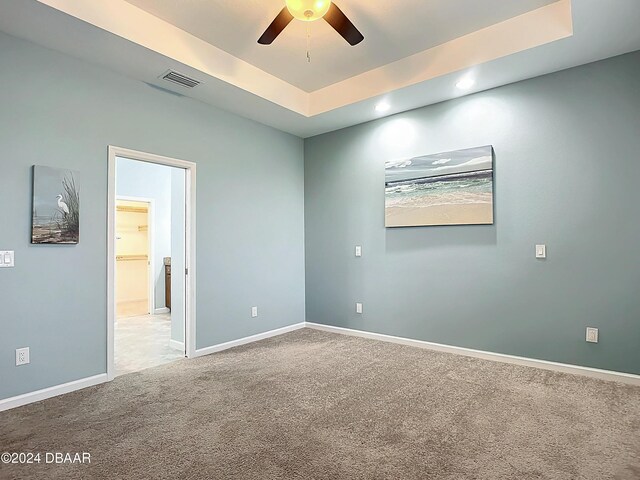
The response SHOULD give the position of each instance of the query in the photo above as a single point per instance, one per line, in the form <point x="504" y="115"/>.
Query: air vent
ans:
<point x="179" y="79"/>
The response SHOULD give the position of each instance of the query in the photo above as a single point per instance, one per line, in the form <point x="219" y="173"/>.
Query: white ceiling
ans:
<point x="124" y="38"/>
<point x="393" y="30"/>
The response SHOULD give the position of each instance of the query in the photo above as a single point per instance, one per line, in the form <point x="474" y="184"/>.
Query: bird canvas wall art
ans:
<point x="56" y="206"/>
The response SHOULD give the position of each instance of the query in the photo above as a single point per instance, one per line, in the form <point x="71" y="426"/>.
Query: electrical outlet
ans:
<point x="22" y="356"/>
<point x="254" y="312"/>
<point x="358" y="250"/>
<point x="358" y="308"/>
<point x="592" y="335"/>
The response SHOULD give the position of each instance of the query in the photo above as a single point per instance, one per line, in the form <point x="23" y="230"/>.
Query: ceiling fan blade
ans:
<point x="277" y="26"/>
<point x="343" y="25"/>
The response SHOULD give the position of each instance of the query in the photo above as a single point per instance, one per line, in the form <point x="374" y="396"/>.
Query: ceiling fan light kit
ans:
<point x="309" y="11"/>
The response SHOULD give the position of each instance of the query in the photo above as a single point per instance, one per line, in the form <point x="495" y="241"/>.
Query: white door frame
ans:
<point x="190" y="246"/>
<point x="151" y="290"/>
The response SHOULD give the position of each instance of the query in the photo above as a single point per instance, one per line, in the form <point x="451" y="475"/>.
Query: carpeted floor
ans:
<point x="315" y="405"/>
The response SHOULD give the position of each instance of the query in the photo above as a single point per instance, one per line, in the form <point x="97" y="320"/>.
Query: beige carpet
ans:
<point x="314" y="405"/>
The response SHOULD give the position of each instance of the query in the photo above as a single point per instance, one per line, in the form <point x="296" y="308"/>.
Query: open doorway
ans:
<point x="150" y="306"/>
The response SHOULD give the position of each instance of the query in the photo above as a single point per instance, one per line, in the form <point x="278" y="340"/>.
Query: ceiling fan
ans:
<point x="309" y="11"/>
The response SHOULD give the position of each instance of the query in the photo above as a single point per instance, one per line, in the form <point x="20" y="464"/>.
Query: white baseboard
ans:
<point x="49" y="392"/>
<point x="496" y="357"/>
<point x="243" y="341"/>
<point x="176" y="345"/>
<point x="158" y="311"/>
<point x="609" y="375"/>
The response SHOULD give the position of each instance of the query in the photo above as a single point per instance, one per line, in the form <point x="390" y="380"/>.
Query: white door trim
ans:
<point x="151" y="291"/>
<point x="190" y="245"/>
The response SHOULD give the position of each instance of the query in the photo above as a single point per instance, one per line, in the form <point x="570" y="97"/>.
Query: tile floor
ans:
<point x="142" y="342"/>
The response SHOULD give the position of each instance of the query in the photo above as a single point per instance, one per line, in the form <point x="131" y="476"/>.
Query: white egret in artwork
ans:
<point x="62" y="206"/>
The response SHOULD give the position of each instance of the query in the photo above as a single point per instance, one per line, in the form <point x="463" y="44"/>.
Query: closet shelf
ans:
<point x="130" y="258"/>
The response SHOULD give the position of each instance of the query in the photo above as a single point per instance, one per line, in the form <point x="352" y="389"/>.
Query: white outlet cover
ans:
<point x="541" y="251"/>
<point x="254" y="312"/>
<point x="592" y="335"/>
<point x="358" y="250"/>
<point x="358" y="308"/>
<point x="22" y="356"/>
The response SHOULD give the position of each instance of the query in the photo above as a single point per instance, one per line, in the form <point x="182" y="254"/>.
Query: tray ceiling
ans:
<point x="393" y="30"/>
<point x="411" y="57"/>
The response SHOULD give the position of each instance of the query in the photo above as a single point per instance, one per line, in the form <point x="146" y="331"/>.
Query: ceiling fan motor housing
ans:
<point x="308" y="10"/>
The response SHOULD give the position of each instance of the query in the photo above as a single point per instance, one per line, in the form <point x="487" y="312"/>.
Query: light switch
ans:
<point x="6" y="259"/>
<point x="541" y="251"/>
<point x="358" y="308"/>
<point x="254" y="312"/>
<point x="358" y="250"/>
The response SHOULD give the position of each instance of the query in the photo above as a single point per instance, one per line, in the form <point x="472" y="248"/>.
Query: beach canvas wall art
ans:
<point x="56" y="206"/>
<point x="451" y="188"/>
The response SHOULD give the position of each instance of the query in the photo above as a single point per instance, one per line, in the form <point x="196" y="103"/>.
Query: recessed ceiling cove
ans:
<point x="415" y="52"/>
<point x="393" y="30"/>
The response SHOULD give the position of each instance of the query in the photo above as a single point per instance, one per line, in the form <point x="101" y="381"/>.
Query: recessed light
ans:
<point x="465" y="83"/>
<point x="382" y="107"/>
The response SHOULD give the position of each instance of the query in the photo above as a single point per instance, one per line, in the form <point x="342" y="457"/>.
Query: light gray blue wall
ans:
<point x="148" y="180"/>
<point x="567" y="166"/>
<point x="177" y="253"/>
<point x="58" y="111"/>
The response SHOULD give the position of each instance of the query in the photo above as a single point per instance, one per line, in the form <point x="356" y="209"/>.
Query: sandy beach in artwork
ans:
<point x="439" y="215"/>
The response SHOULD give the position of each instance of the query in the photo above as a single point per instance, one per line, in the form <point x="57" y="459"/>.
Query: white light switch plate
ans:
<point x="6" y="258"/>
<point x="358" y="308"/>
<point x="254" y="312"/>
<point x="358" y="251"/>
<point x="592" y="335"/>
<point x="541" y="251"/>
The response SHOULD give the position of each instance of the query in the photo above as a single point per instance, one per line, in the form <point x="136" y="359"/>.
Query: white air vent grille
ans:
<point x="179" y="79"/>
